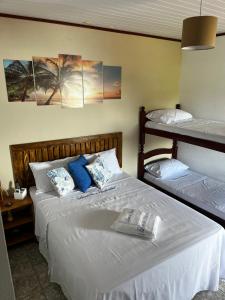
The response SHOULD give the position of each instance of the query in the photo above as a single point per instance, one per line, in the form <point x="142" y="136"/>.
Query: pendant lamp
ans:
<point x="199" y="33"/>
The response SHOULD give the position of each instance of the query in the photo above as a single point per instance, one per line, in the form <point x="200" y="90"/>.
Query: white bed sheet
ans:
<point x="200" y="190"/>
<point x="91" y="262"/>
<point x="199" y="128"/>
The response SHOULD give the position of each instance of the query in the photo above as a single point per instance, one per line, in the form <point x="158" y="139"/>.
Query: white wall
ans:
<point x="6" y="286"/>
<point x="202" y="92"/>
<point x="150" y="77"/>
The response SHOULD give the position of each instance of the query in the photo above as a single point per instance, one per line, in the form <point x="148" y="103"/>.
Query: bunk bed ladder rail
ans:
<point x="142" y="156"/>
<point x="142" y="120"/>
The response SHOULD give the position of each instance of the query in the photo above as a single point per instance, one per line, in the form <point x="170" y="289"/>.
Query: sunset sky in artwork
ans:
<point x="112" y="82"/>
<point x="71" y="80"/>
<point x="92" y="81"/>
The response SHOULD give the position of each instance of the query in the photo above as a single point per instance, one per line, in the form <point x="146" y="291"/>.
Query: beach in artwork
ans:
<point x="112" y="82"/>
<point x="71" y="80"/>
<point x="47" y="80"/>
<point x="19" y="80"/>
<point x="92" y="81"/>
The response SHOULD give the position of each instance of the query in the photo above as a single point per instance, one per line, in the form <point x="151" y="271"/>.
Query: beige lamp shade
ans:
<point x="199" y="33"/>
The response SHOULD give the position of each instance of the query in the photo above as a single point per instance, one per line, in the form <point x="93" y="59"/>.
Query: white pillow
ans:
<point x="40" y="170"/>
<point x="109" y="159"/>
<point x="167" y="168"/>
<point x="61" y="181"/>
<point x="99" y="173"/>
<point x="136" y="222"/>
<point x="169" y="116"/>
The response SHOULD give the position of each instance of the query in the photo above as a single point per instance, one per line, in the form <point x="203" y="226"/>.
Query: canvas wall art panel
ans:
<point x="47" y="80"/>
<point x="71" y="80"/>
<point x="92" y="81"/>
<point x="112" y="82"/>
<point x="19" y="80"/>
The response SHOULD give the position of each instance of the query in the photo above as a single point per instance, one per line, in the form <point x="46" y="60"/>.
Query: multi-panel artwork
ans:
<point x="93" y="81"/>
<point x="112" y="82"/>
<point x="46" y="80"/>
<point x="19" y="80"/>
<point x="71" y="79"/>
<point x="66" y="80"/>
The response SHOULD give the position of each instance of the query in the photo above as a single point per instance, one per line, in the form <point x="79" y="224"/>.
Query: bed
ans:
<point x="90" y="261"/>
<point x="205" y="133"/>
<point x="208" y="130"/>
<point x="203" y="193"/>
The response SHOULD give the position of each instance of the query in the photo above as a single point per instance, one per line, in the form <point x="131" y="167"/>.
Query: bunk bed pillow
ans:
<point x="169" y="116"/>
<point x="166" y="169"/>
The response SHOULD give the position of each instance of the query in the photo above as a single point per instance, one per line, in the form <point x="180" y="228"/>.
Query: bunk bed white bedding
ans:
<point x="92" y="262"/>
<point x="205" y="192"/>
<point x="198" y="128"/>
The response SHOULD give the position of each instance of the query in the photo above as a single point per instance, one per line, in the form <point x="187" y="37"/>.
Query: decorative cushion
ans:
<point x="61" y="181"/>
<point x="109" y="159"/>
<point x="79" y="173"/>
<point x="136" y="222"/>
<point x="168" y="116"/>
<point x="166" y="169"/>
<point x="99" y="173"/>
<point x="40" y="170"/>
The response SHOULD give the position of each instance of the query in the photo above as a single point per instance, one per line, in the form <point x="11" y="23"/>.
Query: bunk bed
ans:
<point x="213" y="138"/>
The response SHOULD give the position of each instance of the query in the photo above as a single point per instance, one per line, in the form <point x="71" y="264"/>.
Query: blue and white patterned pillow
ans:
<point x="61" y="181"/>
<point x="99" y="173"/>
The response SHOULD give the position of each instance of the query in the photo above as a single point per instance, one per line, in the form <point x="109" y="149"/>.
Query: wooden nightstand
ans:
<point x="18" y="221"/>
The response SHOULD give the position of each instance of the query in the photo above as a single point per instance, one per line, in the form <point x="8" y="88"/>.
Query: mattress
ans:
<point x="198" y="128"/>
<point x="90" y="261"/>
<point x="204" y="192"/>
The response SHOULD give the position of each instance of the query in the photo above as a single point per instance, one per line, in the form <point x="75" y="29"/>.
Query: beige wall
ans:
<point x="150" y="76"/>
<point x="203" y="94"/>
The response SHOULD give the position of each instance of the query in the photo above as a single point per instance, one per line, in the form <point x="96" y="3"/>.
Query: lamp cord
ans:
<point x="201" y="8"/>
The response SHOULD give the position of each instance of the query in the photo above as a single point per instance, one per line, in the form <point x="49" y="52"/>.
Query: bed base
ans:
<point x="142" y="155"/>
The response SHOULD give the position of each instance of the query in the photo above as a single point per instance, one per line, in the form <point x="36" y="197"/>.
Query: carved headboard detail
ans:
<point x="23" y="154"/>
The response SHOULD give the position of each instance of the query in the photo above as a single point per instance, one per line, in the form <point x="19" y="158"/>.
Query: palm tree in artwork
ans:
<point x="66" y="69"/>
<point x="52" y="75"/>
<point x="19" y="80"/>
<point x="47" y="76"/>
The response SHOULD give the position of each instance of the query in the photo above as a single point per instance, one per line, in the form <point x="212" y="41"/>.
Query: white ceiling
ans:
<point x="155" y="17"/>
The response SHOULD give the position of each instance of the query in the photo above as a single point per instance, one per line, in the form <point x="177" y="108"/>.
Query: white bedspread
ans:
<point x="92" y="262"/>
<point x="200" y="190"/>
<point x="199" y="128"/>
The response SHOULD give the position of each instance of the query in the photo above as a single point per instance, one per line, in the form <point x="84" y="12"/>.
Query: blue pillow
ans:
<point x="79" y="173"/>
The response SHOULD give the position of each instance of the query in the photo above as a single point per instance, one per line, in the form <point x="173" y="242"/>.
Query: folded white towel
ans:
<point x="136" y="222"/>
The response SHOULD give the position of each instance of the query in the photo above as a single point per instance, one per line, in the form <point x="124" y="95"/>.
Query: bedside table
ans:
<point x="18" y="221"/>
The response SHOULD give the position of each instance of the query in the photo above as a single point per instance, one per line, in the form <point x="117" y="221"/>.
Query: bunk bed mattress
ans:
<point x="198" y="128"/>
<point x="205" y="192"/>
<point x="91" y="262"/>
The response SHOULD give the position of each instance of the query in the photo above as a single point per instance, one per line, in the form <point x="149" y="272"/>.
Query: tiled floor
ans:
<point x="30" y="277"/>
<point x="30" y="274"/>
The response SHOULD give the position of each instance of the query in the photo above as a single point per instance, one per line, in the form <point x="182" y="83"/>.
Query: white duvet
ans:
<point x="199" y="128"/>
<point x="200" y="190"/>
<point x="90" y="261"/>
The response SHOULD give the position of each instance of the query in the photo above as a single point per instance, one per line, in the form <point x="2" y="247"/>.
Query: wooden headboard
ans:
<point x="23" y="154"/>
